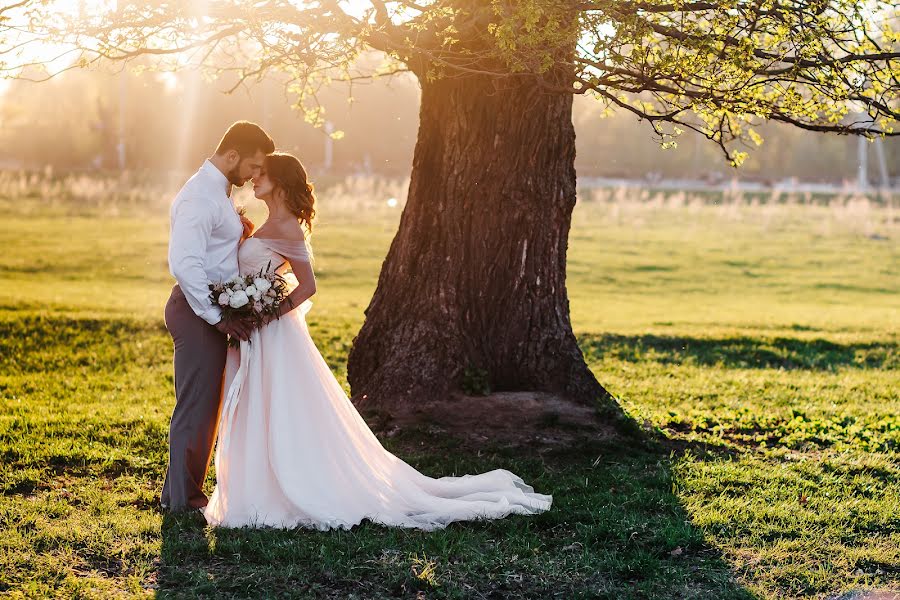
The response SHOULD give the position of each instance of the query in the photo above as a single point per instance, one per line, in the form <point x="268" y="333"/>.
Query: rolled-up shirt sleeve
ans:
<point x="192" y="224"/>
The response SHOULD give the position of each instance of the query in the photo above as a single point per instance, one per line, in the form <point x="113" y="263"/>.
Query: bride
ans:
<point x="292" y="449"/>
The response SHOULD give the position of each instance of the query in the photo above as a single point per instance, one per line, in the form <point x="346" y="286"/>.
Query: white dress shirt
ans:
<point x="204" y="234"/>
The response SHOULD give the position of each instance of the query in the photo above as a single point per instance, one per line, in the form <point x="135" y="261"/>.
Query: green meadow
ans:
<point x="754" y="339"/>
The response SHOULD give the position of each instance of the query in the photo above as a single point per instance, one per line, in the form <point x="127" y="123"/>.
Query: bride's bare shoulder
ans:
<point x="289" y="230"/>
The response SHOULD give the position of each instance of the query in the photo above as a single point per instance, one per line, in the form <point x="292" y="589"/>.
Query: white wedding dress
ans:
<point x="293" y="451"/>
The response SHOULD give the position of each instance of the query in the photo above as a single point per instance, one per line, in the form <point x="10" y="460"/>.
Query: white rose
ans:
<point x="268" y="300"/>
<point x="251" y="290"/>
<point x="236" y="280"/>
<point x="262" y="285"/>
<point x="239" y="299"/>
<point x="223" y="299"/>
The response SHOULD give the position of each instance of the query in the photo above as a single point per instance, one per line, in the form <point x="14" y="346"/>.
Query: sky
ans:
<point x="58" y="56"/>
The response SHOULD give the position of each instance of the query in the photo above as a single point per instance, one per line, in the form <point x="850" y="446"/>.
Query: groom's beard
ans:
<point x="234" y="177"/>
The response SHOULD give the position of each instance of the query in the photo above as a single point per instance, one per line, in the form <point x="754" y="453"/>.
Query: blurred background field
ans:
<point x="754" y="334"/>
<point x="640" y="259"/>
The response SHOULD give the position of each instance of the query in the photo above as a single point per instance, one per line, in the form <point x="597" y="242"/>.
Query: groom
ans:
<point x="205" y="231"/>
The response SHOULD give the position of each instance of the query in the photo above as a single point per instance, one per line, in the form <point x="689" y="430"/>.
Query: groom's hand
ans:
<point x="235" y="328"/>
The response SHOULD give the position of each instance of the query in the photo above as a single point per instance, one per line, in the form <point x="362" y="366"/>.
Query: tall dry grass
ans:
<point x="47" y="193"/>
<point x="874" y="215"/>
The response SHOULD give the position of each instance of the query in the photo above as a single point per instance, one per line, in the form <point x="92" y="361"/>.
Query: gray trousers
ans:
<point x="200" y="351"/>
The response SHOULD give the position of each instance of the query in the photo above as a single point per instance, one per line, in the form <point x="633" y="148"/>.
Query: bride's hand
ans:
<point x="269" y="318"/>
<point x="248" y="227"/>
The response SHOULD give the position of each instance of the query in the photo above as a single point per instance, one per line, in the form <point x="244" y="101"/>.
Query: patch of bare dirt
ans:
<point x="505" y="419"/>
<point x="869" y="595"/>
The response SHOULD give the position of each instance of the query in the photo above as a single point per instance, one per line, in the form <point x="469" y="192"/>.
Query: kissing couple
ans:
<point x="292" y="450"/>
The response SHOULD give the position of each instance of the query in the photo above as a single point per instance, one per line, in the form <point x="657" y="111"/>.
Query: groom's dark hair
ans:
<point x="246" y="138"/>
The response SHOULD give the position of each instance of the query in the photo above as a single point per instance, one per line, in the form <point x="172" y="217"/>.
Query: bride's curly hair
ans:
<point x="287" y="174"/>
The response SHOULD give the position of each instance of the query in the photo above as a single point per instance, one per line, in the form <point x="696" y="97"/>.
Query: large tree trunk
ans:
<point x="473" y="289"/>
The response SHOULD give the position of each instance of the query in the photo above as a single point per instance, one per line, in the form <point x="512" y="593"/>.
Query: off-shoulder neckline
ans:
<point x="253" y="237"/>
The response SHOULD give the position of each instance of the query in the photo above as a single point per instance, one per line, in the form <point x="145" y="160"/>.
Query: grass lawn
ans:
<point x="757" y="344"/>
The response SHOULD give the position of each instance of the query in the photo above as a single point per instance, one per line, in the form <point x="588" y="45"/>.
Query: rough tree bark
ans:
<point x="474" y="284"/>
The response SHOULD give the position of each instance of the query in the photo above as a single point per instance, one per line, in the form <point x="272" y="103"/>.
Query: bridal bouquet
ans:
<point x="254" y="296"/>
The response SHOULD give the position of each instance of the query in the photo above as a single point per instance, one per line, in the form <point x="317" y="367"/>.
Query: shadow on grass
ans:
<point x="741" y="352"/>
<point x="616" y="530"/>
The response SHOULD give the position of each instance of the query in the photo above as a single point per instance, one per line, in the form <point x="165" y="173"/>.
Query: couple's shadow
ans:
<point x="616" y="530"/>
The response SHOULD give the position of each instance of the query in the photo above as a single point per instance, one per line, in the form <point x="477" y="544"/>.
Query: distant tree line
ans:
<point x="169" y="121"/>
